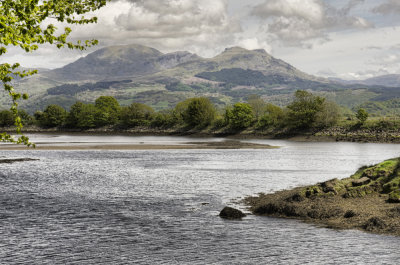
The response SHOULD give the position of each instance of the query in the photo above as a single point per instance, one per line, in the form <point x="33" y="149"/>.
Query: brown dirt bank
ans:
<point x="326" y="135"/>
<point x="229" y="144"/>
<point x="369" y="201"/>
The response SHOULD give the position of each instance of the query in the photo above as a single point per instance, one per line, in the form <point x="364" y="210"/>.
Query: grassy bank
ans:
<point x="369" y="200"/>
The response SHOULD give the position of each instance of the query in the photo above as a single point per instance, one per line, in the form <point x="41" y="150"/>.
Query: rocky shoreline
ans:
<point x="369" y="200"/>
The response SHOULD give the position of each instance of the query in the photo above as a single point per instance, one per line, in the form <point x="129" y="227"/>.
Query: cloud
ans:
<point x="295" y="22"/>
<point x="362" y="75"/>
<point x="166" y="25"/>
<point x="389" y="7"/>
<point x="254" y="43"/>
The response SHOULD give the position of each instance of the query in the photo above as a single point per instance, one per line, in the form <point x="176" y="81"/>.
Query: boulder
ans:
<point x="350" y="214"/>
<point x="361" y="181"/>
<point x="394" y="197"/>
<point x="231" y="213"/>
<point x="374" y="223"/>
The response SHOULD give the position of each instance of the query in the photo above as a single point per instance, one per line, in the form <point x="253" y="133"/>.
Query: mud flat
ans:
<point x="227" y="144"/>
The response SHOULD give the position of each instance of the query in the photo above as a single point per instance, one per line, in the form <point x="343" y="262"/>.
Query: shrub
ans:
<point x="200" y="112"/>
<point x="137" y="114"/>
<point x="240" y="116"/>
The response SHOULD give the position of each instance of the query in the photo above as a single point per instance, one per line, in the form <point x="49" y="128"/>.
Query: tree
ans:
<point x="108" y="110"/>
<point x="53" y="116"/>
<point x="240" y="116"/>
<point x="200" y="112"/>
<point x="136" y="114"/>
<point x="362" y="115"/>
<point x="274" y="116"/>
<point x="163" y="119"/>
<point x="26" y="119"/>
<point x="257" y="104"/>
<point x="6" y="118"/>
<point x="178" y="112"/>
<point x="22" y="25"/>
<point x="328" y="116"/>
<point x="82" y="116"/>
<point x="304" y="109"/>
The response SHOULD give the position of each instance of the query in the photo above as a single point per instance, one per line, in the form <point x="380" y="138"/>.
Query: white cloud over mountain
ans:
<point x="294" y="22"/>
<point x="311" y="34"/>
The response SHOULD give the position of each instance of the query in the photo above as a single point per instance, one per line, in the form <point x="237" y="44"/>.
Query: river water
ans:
<point x="161" y="206"/>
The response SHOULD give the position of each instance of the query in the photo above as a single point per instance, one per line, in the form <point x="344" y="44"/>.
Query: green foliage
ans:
<point x="274" y="116"/>
<point x="163" y="119"/>
<point x="6" y="118"/>
<point x="240" y="116"/>
<point x="179" y="111"/>
<point x="304" y="109"/>
<point x="362" y="115"/>
<point x="52" y="116"/>
<point x="242" y="77"/>
<point x="137" y="114"/>
<point x="73" y="89"/>
<point x="257" y="104"/>
<point x="219" y="122"/>
<point x="328" y="116"/>
<point x="82" y="116"/>
<point x="178" y="86"/>
<point x="108" y="110"/>
<point x="200" y="112"/>
<point x="21" y="25"/>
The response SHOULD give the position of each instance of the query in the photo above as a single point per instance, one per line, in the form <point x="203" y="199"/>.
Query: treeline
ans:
<point x="73" y="89"/>
<point x="305" y="112"/>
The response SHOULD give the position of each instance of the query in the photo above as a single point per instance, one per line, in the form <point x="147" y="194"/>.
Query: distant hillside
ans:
<point x="392" y="80"/>
<point x="384" y="80"/>
<point x="119" y="62"/>
<point x="136" y="73"/>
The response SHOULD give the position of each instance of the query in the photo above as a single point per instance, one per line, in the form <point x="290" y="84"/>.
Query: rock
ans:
<point x="231" y="213"/>
<point x="269" y="208"/>
<point x="350" y="214"/>
<point x="374" y="223"/>
<point x="361" y="181"/>
<point x="329" y="186"/>
<point x="296" y="198"/>
<point x="322" y="213"/>
<point x="394" y="197"/>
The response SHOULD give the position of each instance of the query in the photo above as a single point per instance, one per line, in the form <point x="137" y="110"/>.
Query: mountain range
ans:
<point x="136" y="73"/>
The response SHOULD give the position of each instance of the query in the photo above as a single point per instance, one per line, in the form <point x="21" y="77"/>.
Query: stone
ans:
<point x="374" y="223"/>
<point x="231" y="213"/>
<point x="361" y="181"/>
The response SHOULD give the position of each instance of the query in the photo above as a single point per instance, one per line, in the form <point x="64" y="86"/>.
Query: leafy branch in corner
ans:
<point x="21" y="25"/>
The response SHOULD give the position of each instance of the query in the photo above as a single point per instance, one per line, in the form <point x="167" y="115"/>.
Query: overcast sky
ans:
<point x="350" y="39"/>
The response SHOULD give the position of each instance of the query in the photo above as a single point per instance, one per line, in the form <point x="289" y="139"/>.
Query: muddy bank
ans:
<point x="330" y="134"/>
<point x="15" y="160"/>
<point x="228" y="144"/>
<point x="369" y="201"/>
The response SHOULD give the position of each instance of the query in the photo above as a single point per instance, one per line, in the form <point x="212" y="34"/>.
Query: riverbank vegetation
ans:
<point x="368" y="200"/>
<point x="306" y="114"/>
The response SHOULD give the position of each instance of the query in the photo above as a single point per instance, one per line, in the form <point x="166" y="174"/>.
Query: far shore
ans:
<point x="335" y="134"/>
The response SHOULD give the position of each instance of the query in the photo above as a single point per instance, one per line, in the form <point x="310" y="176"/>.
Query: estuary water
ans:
<point x="161" y="206"/>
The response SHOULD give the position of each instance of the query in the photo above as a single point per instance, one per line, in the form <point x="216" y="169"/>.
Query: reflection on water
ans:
<point x="161" y="207"/>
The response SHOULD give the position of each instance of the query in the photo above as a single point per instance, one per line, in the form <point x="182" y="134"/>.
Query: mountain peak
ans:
<point x="124" y="51"/>
<point x="260" y="51"/>
<point x="235" y="49"/>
